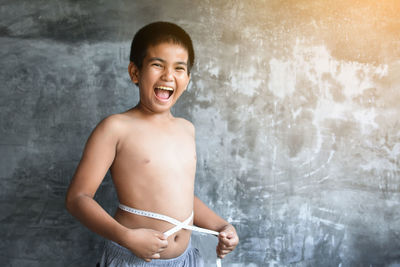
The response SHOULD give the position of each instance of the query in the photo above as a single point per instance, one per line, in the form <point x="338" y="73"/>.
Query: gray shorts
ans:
<point x="115" y="255"/>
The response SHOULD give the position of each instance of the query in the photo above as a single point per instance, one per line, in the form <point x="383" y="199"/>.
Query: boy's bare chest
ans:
<point x="159" y="149"/>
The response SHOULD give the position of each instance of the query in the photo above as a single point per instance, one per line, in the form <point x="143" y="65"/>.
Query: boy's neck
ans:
<point x="145" y="111"/>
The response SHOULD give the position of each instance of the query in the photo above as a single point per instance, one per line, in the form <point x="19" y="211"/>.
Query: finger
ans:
<point x="157" y="248"/>
<point x="227" y="237"/>
<point x="224" y="250"/>
<point x="221" y="245"/>
<point x="225" y="243"/>
<point x="230" y="235"/>
<point x="163" y="244"/>
<point x="156" y="256"/>
<point x="161" y="249"/>
<point x="229" y="245"/>
<point x="148" y="260"/>
<point x="221" y="254"/>
<point x="160" y="235"/>
<point x="230" y="242"/>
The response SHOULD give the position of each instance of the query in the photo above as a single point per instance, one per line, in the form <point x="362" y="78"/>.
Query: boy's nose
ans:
<point x="167" y="75"/>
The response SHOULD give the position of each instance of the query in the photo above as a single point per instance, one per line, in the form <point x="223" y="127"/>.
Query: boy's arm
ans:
<point x="206" y="218"/>
<point x="97" y="158"/>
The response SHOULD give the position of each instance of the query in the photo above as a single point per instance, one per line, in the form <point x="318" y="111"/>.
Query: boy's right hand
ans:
<point x="146" y="243"/>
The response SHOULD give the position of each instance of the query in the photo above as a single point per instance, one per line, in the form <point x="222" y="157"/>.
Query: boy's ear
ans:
<point x="133" y="72"/>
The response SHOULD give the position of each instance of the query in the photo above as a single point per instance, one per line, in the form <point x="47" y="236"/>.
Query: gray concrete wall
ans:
<point x="296" y="105"/>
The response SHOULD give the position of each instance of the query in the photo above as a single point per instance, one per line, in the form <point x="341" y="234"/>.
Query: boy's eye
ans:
<point x="157" y="65"/>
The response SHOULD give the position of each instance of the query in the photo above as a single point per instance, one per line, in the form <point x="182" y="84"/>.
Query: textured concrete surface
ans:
<point x="296" y="105"/>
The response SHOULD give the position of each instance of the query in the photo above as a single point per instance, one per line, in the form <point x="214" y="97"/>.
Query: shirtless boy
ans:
<point x="152" y="158"/>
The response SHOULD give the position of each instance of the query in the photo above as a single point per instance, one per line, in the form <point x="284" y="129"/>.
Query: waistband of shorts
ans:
<point x="115" y="246"/>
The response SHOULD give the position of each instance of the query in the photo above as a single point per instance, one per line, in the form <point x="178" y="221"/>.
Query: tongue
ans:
<point x="163" y="94"/>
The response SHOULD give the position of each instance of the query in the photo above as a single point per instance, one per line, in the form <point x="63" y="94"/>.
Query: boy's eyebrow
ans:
<point x="163" y="61"/>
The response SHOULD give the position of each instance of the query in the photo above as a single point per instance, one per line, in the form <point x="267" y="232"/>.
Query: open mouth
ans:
<point x="163" y="92"/>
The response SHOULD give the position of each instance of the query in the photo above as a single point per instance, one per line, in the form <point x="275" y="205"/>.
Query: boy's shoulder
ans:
<point x="114" y="123"/>
<point x="187" y="125"/>
<point x="115" y="120"/>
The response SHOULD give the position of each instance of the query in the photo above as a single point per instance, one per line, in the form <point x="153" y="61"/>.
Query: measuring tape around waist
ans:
<point x="178" y="224"/>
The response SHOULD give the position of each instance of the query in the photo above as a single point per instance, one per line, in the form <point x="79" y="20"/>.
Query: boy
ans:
<point x="152" y="159"/>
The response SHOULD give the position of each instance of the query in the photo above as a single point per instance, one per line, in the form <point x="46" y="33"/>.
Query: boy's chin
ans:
<point x="162" y="107"/>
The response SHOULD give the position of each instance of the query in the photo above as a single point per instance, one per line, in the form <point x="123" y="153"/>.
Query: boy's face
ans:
<point x="163" y="76"/>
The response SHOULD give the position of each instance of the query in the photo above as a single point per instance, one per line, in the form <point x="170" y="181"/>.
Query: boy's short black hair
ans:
<point x="156" y="33"/>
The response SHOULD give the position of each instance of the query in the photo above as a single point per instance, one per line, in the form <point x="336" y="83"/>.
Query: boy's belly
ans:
<point x="166" y="190"/>
<point x="177" y="242"/>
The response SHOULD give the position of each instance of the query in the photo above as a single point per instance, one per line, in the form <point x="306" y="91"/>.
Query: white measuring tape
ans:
<point x="178" y="225"/>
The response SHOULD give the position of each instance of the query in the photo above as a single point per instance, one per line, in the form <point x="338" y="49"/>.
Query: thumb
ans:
<point x="222" y="234"/>
<point x="230" y="234"/>
<point x="227" y="235"/>
<point x="161" y="236"/>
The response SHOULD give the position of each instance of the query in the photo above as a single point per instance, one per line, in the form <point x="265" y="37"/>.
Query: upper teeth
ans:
<point x="165" y="88"/>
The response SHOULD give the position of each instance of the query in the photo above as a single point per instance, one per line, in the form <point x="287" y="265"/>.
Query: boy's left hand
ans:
<point x="227" y="241"/>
